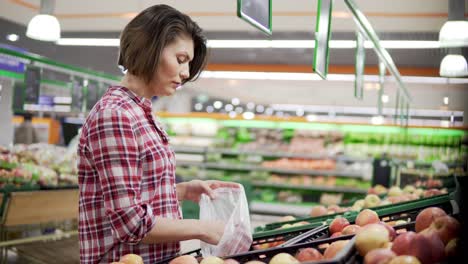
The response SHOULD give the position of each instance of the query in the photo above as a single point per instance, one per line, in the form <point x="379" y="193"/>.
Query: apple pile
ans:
<point x="435" y="239"/>
<point x="130" y="259"/>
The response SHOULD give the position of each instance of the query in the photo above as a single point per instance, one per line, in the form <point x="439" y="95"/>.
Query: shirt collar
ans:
<point x="141" y="101"/>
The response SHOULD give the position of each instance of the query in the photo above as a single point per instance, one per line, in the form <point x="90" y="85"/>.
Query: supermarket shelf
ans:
<point x="310" y="188"/>
<point x="279" y="209"/>
<point x="211" y="165"/>
<point x="227" y="151"/>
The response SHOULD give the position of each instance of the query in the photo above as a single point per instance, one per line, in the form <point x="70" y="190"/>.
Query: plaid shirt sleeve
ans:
<point x="114" y="148"/>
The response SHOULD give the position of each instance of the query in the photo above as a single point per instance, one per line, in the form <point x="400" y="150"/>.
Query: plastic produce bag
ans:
<point x="229" y="206"/>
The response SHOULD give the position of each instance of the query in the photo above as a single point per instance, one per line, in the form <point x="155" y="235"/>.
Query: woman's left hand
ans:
<point x="193" y="190"/>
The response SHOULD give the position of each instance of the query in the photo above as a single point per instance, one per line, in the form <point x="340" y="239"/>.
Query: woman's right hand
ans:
<point x="211" y="231"/>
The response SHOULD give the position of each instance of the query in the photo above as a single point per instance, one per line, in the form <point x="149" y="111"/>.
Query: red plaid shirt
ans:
<point x="126" y="179"/>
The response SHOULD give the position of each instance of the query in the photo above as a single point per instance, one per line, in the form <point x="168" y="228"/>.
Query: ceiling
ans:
<point x="392" y="20"/>
<point x="220" y="15"/>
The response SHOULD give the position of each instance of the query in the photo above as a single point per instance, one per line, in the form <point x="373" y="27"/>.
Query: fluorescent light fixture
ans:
<point x="291" y="76"/>
<point x="453" y="65"/>
<point x="377" y="120"/>
<point x="106" y="42"/>
<point x="454" y="33"/>
<point x="12" y="37"/>
<point x="44" y="27"/>
<point x="265" y="44"/>
<point x="260" y="76"/>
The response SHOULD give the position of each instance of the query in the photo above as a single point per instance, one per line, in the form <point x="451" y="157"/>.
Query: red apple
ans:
<point x="371" y="200"/>
<point x="308" y="254"/>
<point x="185" y="259"/>
<point x="395" y="191"/>
<point x="367" y="216"/>
<point x="131" y="259"/>
<point x="334" y="249"/>
<point x="446" y="228"/>
<point x="351" y="229"/>
<point x="379" y="256"/>
<point x="318" y="210"/>
<point x="370" y="237"/>
<point x="338" y="224"/>
<point x="337" y="234"/>
<point x="283" y="258"/>
<point x="212" y="260"/>
<point x="437" y="247"/>
<point x="404" y="259"/>
<point x="255" y="262"/>
<point x="427" y="216"/>
<point x="230" y="261"/>
<point x="390" y="229"/>
<point x="287" y="218"/>
<point x="426" y="248"/>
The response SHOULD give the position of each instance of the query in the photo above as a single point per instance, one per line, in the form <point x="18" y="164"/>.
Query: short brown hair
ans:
<point x="146" y="35"/>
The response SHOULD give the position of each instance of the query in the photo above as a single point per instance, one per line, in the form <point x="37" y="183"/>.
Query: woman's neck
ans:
<point x="136" y="85"/>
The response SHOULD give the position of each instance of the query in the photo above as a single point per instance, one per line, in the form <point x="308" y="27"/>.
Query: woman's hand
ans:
<point x="211" y="232"/>
<point x="193" y="190"/>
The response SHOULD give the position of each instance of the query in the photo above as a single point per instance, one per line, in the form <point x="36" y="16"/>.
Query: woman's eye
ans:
<point x="180" y="60"/>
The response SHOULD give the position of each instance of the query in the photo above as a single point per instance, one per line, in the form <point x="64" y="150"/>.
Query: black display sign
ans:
<point x="256" y="12"/>
<point x="32" y="81"/>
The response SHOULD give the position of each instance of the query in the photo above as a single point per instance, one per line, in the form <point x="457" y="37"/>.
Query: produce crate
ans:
<point x="385" y="210"/>
<point x="9" y="188"/>
<point x="274" y="237"/>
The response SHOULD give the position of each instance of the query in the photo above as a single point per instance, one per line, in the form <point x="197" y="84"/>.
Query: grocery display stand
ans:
<point x="36" y="210"/>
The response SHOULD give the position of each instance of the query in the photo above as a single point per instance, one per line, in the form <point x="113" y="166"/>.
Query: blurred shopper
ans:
<point x="129" y="199"/>
<point x="25" y="133"/>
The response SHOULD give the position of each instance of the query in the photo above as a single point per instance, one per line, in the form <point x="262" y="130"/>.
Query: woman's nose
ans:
<point x="185" y="73"/>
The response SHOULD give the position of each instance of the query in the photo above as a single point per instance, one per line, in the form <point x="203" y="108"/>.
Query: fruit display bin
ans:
<point x="444" y="200"/>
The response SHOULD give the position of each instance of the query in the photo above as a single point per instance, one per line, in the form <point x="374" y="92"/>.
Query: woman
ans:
<point x="129" y="201"/>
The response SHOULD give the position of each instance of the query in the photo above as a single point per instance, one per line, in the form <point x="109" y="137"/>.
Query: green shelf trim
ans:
<point x="57" y="83"/>
<point x="37" y="58"/>
<point x="320" y="126"/>
<point x="13" y="75"/>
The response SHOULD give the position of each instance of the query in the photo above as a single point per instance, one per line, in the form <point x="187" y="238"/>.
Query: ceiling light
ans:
<point x="228" y="107"/>
<point x="300" y="112"/>
<point x="311" y="118"/>
<point x="260" y="108"/>
<point x="269" y="111"/>
<point x="12" y="37"/>
<point x="198" y="106"/>
<point x="209" y="109"/>
<point x="232" y="114"/>
<point x="266" y="44"/>
<point x="248" y="115"/>
<point x="453" y="65"/>
<point x="235" y="101"/>
<point x="250" y="105"/>
<point x="377" y="120"/>
<point x="44" y="26"/>
<point x="446" y="100"/>
<point x="385" y="98"/>
<point x="239" y="109"/>
<point x="218" y="104"/>
<point x="105" y="42"/>
<point x="454" y="33"/>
